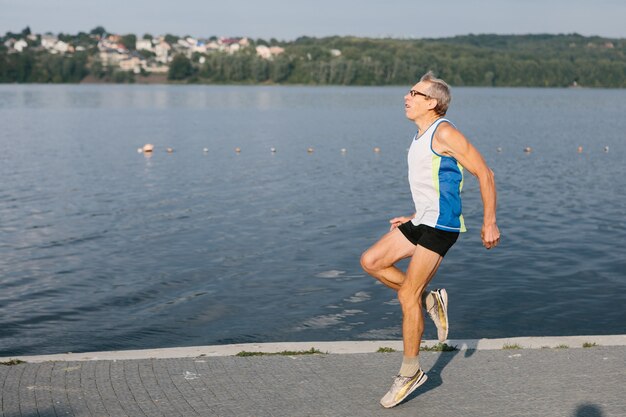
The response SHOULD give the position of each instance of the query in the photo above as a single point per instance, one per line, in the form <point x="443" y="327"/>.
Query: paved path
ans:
<point x="572" y="382"/>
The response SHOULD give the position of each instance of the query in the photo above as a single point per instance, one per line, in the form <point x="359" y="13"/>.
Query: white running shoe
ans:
<point x="401" y="388"/>
<point x="436" y="304"/>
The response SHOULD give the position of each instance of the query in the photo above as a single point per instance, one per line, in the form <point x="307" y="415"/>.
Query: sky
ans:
<point x="287" y="20"/>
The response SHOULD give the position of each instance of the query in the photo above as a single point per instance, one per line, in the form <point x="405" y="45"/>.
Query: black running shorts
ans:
<point x="434" y="239"/>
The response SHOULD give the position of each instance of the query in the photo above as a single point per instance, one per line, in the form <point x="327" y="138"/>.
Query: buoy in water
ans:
<point x="309" y="150"/>
<point x="377" y="149"/>
<point x="148" y="147"/>
<point x="237" y="149"/>
<point x="273" y="150"/>
<point x="580" y="149"/>
<point x="528" y="149"/>
<point x="205" y="150"/>
<point x="344" y="150"/>
<point x="170" y="150"/>
<point x="606" y="149"/>
<point x="499" y="149"/>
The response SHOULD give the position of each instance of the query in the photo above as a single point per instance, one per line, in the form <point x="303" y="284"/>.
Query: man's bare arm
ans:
<point x="449" y="141"/>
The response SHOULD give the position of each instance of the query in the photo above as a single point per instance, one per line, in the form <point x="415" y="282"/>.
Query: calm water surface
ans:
<point x="102" y="247"/>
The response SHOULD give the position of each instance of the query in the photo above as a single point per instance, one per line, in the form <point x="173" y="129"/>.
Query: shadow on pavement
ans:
<point x="434" y="374"/>
<point x="469" y="352"/>
<point x="588" y="410"/>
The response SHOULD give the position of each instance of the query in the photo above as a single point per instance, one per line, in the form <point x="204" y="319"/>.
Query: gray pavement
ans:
<point x="571" y="381"/>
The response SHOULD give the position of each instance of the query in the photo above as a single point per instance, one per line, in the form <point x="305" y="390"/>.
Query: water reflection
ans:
<point x="105" y="246"/>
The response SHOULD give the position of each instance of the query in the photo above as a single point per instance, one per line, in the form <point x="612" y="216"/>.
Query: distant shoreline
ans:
<point x="141" y="79"/>
<point x="473" y="60"/>
<point x="161" y="79"/>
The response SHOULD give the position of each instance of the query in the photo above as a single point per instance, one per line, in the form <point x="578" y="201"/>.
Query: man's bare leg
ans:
<point x="379" y="260"/>
<point x="422" y="268"/>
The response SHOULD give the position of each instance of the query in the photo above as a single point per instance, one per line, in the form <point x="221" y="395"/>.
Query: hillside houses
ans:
<point x="55" y="46"/>
<point x="147" y="55"/>
<point x="19" y="45"/>
<point x="49" y="43"/>
<point x="189" y="45"/>
<point x="268" y="52"/>
<point x="154" y="54"/>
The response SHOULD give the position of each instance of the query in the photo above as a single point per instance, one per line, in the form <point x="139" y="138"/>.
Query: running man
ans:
<point x="436" y="159"/>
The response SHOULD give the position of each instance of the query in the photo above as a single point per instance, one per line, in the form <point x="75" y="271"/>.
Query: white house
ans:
<point x="48" y="41"/>
<point x="20" y="45"/>
<point x="162" y="51"/>
<point x="264" y="52"/>
<point x="143" y="45"/>
<point x="233" y="48"/>
<point x="156" y="69"/>
<point x="111" y="57"/>
<point x="133" y="64"/>
<point x="212" y="46"/>
<point x="184" y="43"/>
<point x="62" y="47"/>
<point x="276" y="50"/>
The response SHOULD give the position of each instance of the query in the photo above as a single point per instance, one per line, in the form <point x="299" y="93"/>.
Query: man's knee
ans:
<point x="368" y="261"/>
<point x="409" y="298"/>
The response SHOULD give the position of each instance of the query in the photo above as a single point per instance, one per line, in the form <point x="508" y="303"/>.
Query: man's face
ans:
<point x="416" y="101"/>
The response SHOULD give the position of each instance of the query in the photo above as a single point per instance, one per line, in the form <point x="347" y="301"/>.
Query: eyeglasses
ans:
<point x="414" y="93"/>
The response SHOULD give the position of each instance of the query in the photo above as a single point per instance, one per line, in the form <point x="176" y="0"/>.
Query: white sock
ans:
<point x="410" y="366"/>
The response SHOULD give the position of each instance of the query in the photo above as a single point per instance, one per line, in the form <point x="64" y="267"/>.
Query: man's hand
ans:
<point x="397" y="221"/>
<point x="490" y="235"/>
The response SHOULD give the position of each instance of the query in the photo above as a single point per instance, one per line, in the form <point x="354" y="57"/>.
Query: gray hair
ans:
<point x="439" y="90"/>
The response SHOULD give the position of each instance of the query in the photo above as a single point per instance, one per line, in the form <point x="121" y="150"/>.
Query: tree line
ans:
<point x="472" y="60"/>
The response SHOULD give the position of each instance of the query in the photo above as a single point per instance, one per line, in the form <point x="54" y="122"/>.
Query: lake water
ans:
<point x="102" y="247"/>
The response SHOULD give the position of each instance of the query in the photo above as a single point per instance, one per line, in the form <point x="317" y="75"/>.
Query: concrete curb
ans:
<point x="327" y="347"/>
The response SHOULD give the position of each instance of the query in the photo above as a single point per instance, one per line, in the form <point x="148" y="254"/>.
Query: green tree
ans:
<point x="129" y="41"/>
<point x="147" y="54"/>
<point x="180" y="68"/>
<point x="280" y="69"/>
<point x="98" y="30"/>
<point x="171" y="39"/>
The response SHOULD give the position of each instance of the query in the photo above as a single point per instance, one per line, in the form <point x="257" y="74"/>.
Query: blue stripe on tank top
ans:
<point x="450" y="177"/>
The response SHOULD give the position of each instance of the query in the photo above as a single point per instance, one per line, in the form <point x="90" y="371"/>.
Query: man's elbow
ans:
<point x="486" y="175"/>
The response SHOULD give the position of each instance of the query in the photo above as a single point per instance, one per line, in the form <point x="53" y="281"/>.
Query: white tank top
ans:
<point x="436" y="182"/>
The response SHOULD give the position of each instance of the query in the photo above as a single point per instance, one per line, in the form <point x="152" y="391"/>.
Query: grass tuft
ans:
<point x="12" y="362"/>
<point x="562" y="347"/>
<point x="511" y="347"/>
<point x="439" y="347"/>
<point x="311" y="351"/>
<point x="386" y="350"/>
<point x="589" y="344"/>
